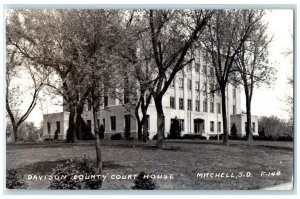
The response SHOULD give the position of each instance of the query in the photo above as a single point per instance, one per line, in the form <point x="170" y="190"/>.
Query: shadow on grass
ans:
<point x="46" y="167"/>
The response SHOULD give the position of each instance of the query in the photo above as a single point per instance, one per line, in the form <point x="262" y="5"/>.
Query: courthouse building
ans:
<point x="188" y="99"/>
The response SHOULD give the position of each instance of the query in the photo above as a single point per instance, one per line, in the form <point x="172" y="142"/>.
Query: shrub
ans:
<point x="116" y="136"/>
<point x="48" y="139"/>
<point x="14" y="180"/>
<point x="175" y="129"/>
<point x="130" y="138"/>
<point x="215" y="137"/>
<point x="233" y="131"/>
<point x="72" y="168"/>
<point x="144" y="183"/>
<point x="127" y="133"/>
<point x="193" y="136"/>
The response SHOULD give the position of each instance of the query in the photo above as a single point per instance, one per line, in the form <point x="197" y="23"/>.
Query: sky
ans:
<point x="266" y="100"/>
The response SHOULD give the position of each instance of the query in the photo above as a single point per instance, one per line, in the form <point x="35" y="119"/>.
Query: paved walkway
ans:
<point x="285" y="186"/>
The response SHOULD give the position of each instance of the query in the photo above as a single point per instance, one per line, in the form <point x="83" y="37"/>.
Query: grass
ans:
<point x="183" y="158"/>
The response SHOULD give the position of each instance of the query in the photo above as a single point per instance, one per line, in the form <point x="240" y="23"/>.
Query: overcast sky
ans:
<point x="266" y="101"/>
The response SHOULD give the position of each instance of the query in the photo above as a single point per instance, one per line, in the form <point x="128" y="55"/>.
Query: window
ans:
<point x="105" y="101"/>
<point x="219" y="107"/>
<point x="197" y="85"/>
<point x="219" y="126"/>
<point x="58" y="126"/>
<point x="127" y="122"/>
<point x="172" y="85"/>
<point x="198" y="105"/>
<point x="211" y="107"/>
<point x="211" y="126"/>
<point x="113" y="123"/>
<point x="253" y="127"/>
<point x="98" y="123"/>
<point x="126" y="96"/>
<point x="89" y="105"/>
<point x="189" y="67"/>
<point x="234" y="109"/>
<point x="172" y="102"/>
<point x="205" y="106"/>
<point x="181" y="122"/>
<point x="197" y="67"/>
<point x="190" y="84"/>
<point x="180" y="82"/>
<point x="89" y="123"/>
<point x="181" y="103"/>
<point x="49" y="127"/>
<point x="189" y="104"/>
<point x="234" y="93"/>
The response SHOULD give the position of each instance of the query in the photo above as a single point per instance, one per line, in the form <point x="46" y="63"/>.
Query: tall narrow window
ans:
<point x="234" y="109"/>
<point x="181" y="121"/>
<point x="172" y="102"/>
<point x="212" y="126"/>
<point x="180" y="82"/>
<point x="58" y="126"/>
<point x="198" y="105"/>
<point x="190" y="84"/>
<point x="211" y="107"/>
<point x="219" y="126"/>
<point x="181" y="103"/>
<point x="234" y="93"/>
<point x="205" y="105"/>
<point x="197" y="67"/>
<point x="219" y="107"/>
<point x="89" y="104"/>
<point x="113" y="123"/>
<point x="49" y="127"/>
<point x="127" y="122"/>
<point x="253" y="127"/>
<point x="189" y="104"/>
<point x="197" y="86"/>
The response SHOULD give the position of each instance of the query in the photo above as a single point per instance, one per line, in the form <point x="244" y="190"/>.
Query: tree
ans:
<point x="253" y="67"/>
<point x="274" y="127"/>
<point x="226" y="33"/>
<point x="172" y="35"/>
<point x="16" y="91"/>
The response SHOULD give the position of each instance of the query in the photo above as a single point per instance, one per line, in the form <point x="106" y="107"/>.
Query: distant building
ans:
<point x="188" y="98"/>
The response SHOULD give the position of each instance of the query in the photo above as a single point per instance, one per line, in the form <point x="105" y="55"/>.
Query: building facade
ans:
<point x="190" y="98"/>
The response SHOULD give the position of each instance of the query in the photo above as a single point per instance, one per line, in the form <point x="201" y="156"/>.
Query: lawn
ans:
<point x="187" y="160"/>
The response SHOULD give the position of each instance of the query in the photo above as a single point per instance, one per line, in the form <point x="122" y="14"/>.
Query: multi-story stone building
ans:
<point x="188" y="99"/>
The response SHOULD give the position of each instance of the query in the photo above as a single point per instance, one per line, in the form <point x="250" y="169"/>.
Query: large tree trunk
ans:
<point x="160" y="122"/>
<point x="249" y="133"/>
<point x="224" y="115"/>
<point x="139" y="123"/>
<point x="78" y="122"/>
<point x="72" y="126"/>
<point x="145" y="128"/>
<point x="97" y="145"/>
<point x="15" y="133"/>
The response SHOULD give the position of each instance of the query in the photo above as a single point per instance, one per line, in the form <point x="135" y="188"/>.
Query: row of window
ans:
<point x="197" y="105"/>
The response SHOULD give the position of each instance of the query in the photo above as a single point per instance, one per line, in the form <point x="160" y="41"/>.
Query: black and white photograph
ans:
<point x="197" y="99"/>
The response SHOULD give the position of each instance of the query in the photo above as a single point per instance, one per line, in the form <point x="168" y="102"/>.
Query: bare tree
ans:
<point x="254" y="68"/>
<point x="14" y="91"/>
<point x="172" y="35"/>
<point x="226" y="33"/>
